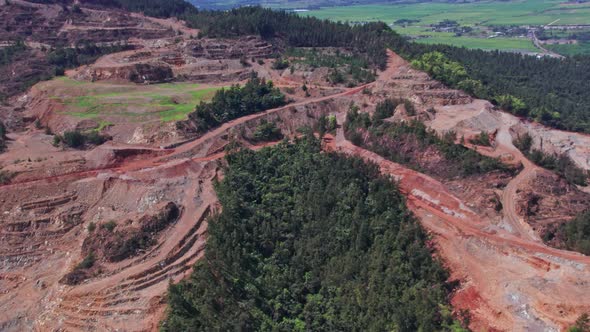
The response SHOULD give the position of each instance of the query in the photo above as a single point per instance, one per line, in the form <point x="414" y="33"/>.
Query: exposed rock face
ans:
<point x="136" y="73"/>
<point x="43" y="26"/>
<point x="57" y="25"/>
<point x="215" y="49"/>
<point x="202" y="60"/>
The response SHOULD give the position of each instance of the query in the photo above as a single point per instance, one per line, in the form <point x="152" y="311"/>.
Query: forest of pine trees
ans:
<point x="309" y="241"/>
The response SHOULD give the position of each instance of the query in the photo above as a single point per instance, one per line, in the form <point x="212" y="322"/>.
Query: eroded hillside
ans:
<point x="91" y="237"/>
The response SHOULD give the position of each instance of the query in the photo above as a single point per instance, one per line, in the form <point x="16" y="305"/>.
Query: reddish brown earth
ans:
<point x="509" y="280"/>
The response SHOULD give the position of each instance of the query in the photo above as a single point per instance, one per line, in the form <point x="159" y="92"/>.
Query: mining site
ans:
<point x="93" y="231"/>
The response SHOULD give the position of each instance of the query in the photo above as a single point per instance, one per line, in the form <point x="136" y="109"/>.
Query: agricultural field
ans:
<point x="477" y="16"/>
<point x="581" y="48"/>
<point x="567" y="42"/>
<point x="531" y="12"/>
<point x="100" y="101"/>
<point x="427" y="36"/>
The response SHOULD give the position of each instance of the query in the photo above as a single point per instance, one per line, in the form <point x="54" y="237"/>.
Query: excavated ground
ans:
<point x="510" y="280"/>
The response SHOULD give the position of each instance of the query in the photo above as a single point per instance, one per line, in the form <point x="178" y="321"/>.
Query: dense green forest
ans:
<point x="407" y="142"/>
<point x="227" y="104"/>
<point x="551" y="91"/>
<point x="310" y="241"/>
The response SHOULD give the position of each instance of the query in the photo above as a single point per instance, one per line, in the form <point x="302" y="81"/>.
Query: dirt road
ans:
<point x="509" y="279"/>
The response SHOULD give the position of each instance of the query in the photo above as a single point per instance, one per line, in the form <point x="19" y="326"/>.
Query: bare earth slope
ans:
<point x="510" y="280"/>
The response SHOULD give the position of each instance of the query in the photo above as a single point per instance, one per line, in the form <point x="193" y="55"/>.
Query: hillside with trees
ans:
<point x="551" y="91"/>
<point x="311" y="241"/>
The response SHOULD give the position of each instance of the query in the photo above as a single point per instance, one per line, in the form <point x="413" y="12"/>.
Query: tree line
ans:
<point x="255" y="96"/>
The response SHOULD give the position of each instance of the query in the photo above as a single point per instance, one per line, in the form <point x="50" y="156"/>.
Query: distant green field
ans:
<point x="582" y="48"/>
<point x="427" y="36"/>
<point x="108" y="102"/>
<point x="535" y="12"/>
<point x="508" y="44"/>
<point x="477" y="15"/>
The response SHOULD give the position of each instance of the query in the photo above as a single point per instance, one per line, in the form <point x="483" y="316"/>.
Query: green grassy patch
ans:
<point x="537" y="12"/>
<point x="581" y="48"/>
<point x="166" y="102"/>
<point x="498" y="43"/>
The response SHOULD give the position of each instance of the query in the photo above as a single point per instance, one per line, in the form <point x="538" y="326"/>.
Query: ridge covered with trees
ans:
<point x="310" y="241"/>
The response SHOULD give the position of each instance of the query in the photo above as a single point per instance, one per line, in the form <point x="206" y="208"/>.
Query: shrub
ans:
<point x="77" y="140"/>
<point x="6" y="176"/>
<point x="409" y="106"/>
<point x="336" y="77"/>
<point x="87" y="262"/>
<point x="280" y="64"/>
<point x="482" y="139"/>
<point x="244" y="62"/>
<point x="95" y="138"/>
<point x="2" y="130"/>
<point x="385" y="109"/>
<point x="109" y="226"/>
<point x="73" y="139"/>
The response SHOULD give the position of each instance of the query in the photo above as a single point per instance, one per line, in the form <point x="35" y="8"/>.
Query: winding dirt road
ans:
<point x="509" y="279"/>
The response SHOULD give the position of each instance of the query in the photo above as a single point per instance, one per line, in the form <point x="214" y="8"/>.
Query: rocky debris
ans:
<point x="144" y="73"/>
<point x="147" y="73"/>
<point x="553" y="141"/>
<point x="116" y="241"/>
<point x="481" y="192"/>
<point x="547" y="201"/>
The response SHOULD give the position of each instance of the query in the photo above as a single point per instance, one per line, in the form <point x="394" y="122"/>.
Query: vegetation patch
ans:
<point x="166" y="102"/>
<point x="255" y="96"/>
<point x="413" y="144"/>
<point x="267" y="132"/>
<point x="560" y="164"/>
<point x="116" y="242"/>
<point x="348" y="69"/>
<point x="310" y="241"/>
<point x="80" y="140"/>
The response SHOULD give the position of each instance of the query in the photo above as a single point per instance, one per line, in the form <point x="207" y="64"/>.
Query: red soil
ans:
<point x="509" y="279"/>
